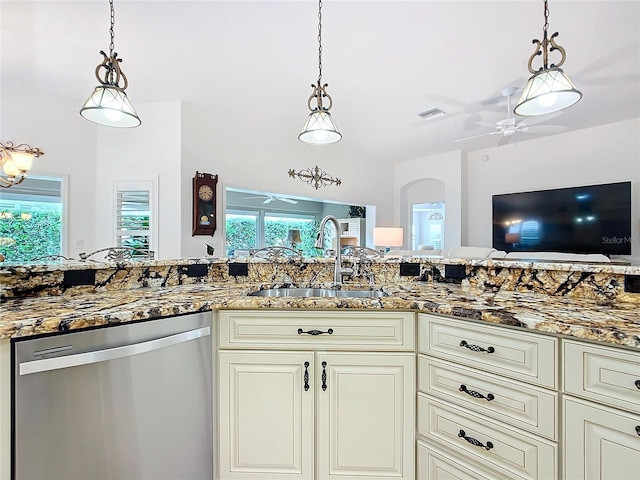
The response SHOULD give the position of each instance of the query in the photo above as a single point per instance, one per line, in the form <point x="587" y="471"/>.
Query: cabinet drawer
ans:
<point x="350" y="330"/>
<point x="515" y="403"/>
<point x="607" y="375"/>
<point x="496" y="446"/>
<point x="600" y="443"/>
<point x="520" y="355"/>
<point x="437" y="465"/>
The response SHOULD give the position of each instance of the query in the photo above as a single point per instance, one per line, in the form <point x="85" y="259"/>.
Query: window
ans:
<point x="246" y="229"/>
<point x="32" y="220"/>
<point x="428" y="225"/>
<point x="135" y="216"/>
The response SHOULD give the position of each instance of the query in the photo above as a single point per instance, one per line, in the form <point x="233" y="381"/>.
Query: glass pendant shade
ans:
<point x="10" y="168"/>
<point x="110" y="106"/>
<point x="22" y="160"/>
<point x="546" y="92"/>
<point x="319" y="129"/>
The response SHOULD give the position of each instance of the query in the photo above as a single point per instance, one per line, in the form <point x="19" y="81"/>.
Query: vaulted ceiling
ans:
<point x="385" y="62"/>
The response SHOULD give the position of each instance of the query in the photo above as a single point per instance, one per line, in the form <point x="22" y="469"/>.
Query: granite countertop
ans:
<point x="616" y="324"/>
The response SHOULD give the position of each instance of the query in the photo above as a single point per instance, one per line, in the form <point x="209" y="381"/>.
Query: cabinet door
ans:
<point x="365" y="415"/>
<point x="266" y="415"/>
<point x="600" y="442"/>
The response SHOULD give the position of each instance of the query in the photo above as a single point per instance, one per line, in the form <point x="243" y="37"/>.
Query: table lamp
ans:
<point x="293" y="237"/>
<point x="387" y="237"/>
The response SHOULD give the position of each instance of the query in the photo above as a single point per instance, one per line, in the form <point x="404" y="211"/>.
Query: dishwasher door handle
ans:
<point x="47" y="364"/>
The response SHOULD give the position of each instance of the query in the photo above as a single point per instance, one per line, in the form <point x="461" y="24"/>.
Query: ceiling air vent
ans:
<point x="432" y="113"/>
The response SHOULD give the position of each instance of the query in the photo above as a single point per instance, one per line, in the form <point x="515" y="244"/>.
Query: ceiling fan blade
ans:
<point x="547" y="129"/>
<point x="504" y="140"/>
<point x="477" y="136"/>
<point x="268" y="200"/>
<point x="288" y="200"/>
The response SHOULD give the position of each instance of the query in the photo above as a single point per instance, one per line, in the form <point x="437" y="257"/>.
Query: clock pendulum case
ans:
<point x="204" y="204"/>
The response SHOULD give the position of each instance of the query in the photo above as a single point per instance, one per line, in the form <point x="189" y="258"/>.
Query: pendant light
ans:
<point x="108" y="104"/>
<point x="549" y="89"/>
<point x="320" y="128"/>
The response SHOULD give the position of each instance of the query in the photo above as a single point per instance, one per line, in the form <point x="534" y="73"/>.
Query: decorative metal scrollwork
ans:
<point x="315" y="332"/>
<point x="324" y="376"/>
<point x="275" y="253"/>
<point x="476" y="348"/>
<point x="306" y="376"/>
<point x="473" y="393"/>
<point x="475" y="442"/>
<point x="315" y="177"/>
<point x="120" y="254"/>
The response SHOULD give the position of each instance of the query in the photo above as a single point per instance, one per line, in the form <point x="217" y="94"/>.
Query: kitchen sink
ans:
<point x="317" y="292"/>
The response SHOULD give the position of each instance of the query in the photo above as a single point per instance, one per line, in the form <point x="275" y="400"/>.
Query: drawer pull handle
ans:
<point x="306" y="376"/>
<point x="315" y="332"/>
<point x="475" y="442"/>
<point x="638" y="384"/>
<point x="473" y="393"/>
<point x="638" y="429"/>
<point x="324" y="376"/>
<point x="476" y="348"/>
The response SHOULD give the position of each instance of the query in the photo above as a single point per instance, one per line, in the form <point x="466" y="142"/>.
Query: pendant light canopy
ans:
<point x="320" y="128"/>
<point x="549" y="89"/>
<point x="108" y="104"/>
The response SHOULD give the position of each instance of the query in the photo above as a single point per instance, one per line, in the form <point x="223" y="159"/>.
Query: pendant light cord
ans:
<point x="319" y="43"/>
<point x="111" y="34"/>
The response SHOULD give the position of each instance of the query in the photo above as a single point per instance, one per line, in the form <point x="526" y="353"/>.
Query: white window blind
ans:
<point x="136" y="216"/>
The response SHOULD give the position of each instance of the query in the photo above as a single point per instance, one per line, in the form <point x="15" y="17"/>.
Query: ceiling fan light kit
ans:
<point x="549" y="89"/>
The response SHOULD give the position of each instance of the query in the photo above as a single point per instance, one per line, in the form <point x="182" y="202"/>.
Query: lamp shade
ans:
<point x="546" y="92"/>
<point x="110" y="106"/>
<point x="293" y="236"/>
<point x="388" y="236"/>
<point x="320" y="129"/>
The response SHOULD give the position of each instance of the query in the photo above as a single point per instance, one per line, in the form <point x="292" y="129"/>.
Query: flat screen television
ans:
<point x="589" y="219"/>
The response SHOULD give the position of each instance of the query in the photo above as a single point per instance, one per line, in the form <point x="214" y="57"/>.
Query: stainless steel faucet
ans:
<point x="338" y="271"/>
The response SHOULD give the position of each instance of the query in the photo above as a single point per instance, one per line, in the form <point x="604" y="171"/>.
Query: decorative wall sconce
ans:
<point x="16" y="161"/>
<point x="549" y="89"/>
<point x="315" y="177"/>
<point x="320" y="128"/>
<point x="108" y="104"/>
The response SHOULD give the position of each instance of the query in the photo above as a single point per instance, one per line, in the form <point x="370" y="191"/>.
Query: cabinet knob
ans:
<point x="637" y="382"/>
<point x="476" y="348"/>
<point x="475" y="442"/>
<point x="638" y="430"/>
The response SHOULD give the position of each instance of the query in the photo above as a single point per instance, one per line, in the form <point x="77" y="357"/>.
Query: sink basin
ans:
<point x="317" y="292"/>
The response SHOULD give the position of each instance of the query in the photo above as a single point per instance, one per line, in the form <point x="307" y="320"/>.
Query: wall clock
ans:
<point x="204" y="204"/>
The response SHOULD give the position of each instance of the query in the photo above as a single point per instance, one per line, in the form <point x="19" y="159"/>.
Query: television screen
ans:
<point x="590" y="219"/>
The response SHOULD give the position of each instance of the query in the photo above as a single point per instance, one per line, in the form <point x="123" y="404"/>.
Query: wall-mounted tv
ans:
<point x="589" y="219"/>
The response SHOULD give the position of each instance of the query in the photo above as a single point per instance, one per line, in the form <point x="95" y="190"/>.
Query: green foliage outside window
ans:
<point x="276" y="230"/>
<point x="35" y="237"/>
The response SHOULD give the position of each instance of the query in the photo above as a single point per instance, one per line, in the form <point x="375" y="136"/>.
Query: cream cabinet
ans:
<point x="316" y="395"/>
<point x="601" y="409"/>
<point x="487" y="396"/>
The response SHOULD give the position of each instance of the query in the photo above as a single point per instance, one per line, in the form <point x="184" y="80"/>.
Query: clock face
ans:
<point x="205" y="192"/>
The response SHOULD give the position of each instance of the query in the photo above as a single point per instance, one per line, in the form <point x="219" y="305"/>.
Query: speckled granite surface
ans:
<point x="617" y="324"/>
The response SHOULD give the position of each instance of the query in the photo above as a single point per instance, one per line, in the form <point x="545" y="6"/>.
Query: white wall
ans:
<point x="260" y="160"/>
<point x="610" y="153"/>
<point x="53" y="124"/>
<point x="150" y="150"/>
<point x="446" y="167"/>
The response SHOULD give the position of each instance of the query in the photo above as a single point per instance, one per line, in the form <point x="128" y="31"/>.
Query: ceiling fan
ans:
<point x="273" y="198"/>
<point x="509" y="126"/>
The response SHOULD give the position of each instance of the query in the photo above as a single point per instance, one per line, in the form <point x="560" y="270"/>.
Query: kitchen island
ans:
<point x="588" y="303"/>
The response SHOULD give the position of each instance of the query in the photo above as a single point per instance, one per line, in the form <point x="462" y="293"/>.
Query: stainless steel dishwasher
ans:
<point x="126" y="402"/>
